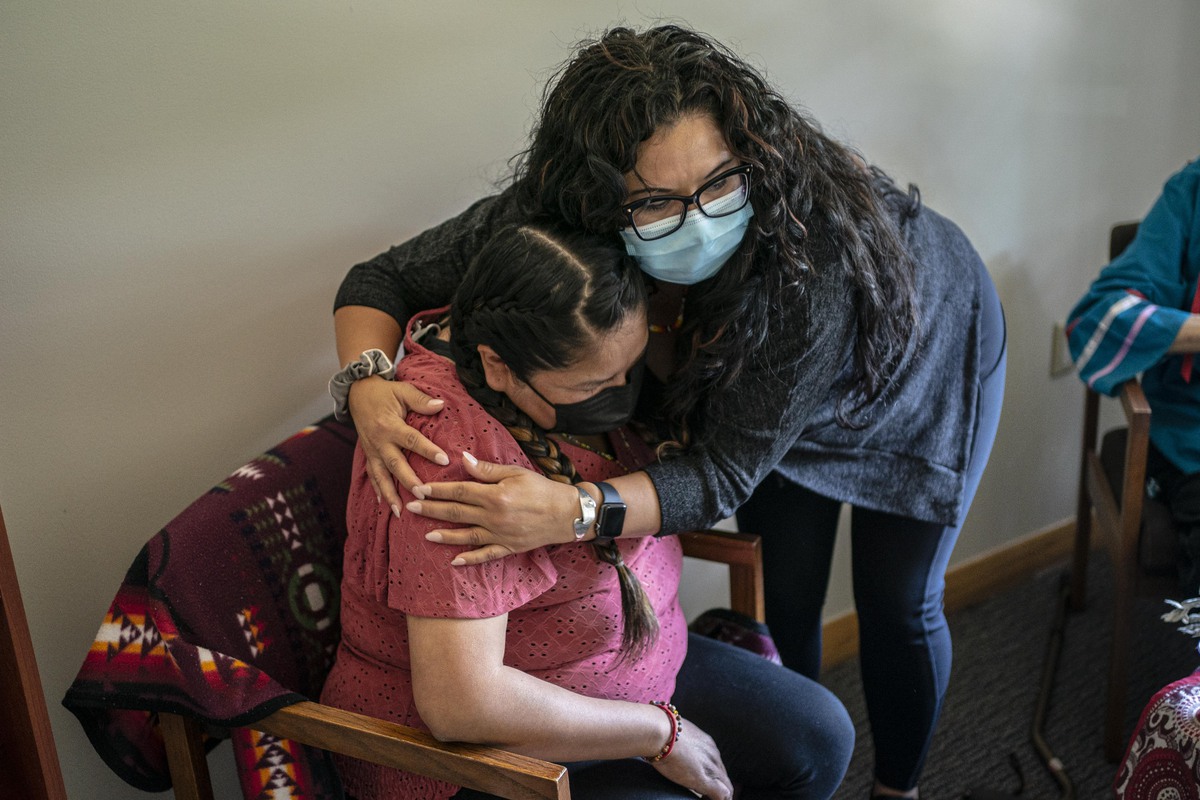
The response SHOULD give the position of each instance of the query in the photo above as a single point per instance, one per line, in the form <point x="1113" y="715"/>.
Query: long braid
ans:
<point x="539" y="294"/>
<point x="640" y="624"/>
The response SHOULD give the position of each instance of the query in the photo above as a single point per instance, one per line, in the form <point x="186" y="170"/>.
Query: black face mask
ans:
<point x="604" y="411"/>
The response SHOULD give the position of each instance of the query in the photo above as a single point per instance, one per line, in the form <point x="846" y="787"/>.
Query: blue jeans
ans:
<point x="780" y="734"/>
<point x="898" y="568"/>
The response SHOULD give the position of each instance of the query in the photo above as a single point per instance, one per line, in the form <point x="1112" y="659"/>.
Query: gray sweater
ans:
<point x="911" y="456"/>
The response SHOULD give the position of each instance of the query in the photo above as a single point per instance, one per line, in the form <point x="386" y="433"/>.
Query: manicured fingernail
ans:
<point x="470" y="459"/>
<point x="458" y="562"/>
<point x="378" y="498"/>
<point x="419" y="492"/>
<point x="413" y="506"/>
<point x="434" y="536"/>
<point x="437" y="402"/>
<point x="395" y="509"/>
<point x="441" y="458"/>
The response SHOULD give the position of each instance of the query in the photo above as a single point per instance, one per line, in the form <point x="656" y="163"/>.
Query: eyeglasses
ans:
<point x="655" y="217"/>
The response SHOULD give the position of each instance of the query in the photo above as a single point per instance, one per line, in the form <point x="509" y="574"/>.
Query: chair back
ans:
<point x="229" y="612"/>
<point x="1119" y="238"/>
<point x="1158" y="547"/>
<point x="1135" y="529"/>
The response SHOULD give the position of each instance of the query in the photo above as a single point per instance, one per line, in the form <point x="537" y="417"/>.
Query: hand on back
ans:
<point x="379" y="409"/>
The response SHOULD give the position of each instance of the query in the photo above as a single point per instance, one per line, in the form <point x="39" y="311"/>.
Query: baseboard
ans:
<point x="969" y="582"/>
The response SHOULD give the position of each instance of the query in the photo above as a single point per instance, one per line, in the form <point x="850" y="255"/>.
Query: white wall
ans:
<point x="183" y="185"/>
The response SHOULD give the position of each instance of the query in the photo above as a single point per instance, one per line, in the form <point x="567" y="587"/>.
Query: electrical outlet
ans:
<point x="1060" y="353"/>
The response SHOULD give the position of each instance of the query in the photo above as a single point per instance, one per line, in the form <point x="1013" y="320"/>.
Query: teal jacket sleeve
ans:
<point x="1132" y="312"/>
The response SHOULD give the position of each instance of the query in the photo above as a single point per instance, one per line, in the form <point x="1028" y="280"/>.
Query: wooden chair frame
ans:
<point x="31" y="770"/>
<point x="1118" y="519"/>
<point x="485" y="769"/>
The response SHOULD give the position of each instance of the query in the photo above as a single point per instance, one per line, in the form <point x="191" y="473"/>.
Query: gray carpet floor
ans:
<point x="999" y="650"/>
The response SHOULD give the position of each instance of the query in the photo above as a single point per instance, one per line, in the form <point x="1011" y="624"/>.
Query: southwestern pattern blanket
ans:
<point x="227" y="614"/>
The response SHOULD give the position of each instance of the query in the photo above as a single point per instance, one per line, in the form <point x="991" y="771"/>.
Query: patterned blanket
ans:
<point x="228" y="614"/>
<point x="1163" y="760"/>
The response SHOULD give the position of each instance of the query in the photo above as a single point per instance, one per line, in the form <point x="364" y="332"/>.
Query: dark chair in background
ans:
<point x="226" y="626"/>
<point x="1135" y="530"/>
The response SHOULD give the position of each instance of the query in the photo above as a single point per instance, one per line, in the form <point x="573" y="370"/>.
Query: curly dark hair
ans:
<point x="539" y="294"/>
<point x="817" y="206"/>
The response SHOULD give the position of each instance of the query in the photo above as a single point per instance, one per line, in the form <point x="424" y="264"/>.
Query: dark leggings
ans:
<point x="898" y="568"/>
<point x="780" y="734"/>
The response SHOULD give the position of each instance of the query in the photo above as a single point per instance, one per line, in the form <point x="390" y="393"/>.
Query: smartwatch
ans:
<point x="587" y="514"/>
<point x="610" y="518"/>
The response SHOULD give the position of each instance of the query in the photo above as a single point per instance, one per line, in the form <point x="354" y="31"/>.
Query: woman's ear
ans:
<point x="499" y="377"/>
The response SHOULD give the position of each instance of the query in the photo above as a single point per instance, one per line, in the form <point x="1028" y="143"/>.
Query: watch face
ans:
<point x="611" y="520"/>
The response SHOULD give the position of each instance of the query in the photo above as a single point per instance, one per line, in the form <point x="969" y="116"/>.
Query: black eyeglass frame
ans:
<point x="693" y="200"/>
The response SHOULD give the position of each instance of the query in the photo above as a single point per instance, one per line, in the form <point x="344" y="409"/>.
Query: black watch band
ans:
<point x="610" y="516"/>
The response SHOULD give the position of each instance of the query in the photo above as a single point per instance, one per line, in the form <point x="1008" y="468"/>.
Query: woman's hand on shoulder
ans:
<point x="378" y="408"/>
<point x="506" y="510"/>
<point x="695" y="764"/>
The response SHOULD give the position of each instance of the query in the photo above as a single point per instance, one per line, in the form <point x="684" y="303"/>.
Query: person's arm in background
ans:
<point x="1188" y="338"/>
<point x="465" y="693"/>
<point x="375" y="300"/>
<point x="1139" y="308"/>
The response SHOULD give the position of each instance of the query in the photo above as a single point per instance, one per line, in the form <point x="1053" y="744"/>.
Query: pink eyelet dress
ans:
<point x="563" y="604"/>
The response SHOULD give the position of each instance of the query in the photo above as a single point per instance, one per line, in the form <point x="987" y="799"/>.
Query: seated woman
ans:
<point x="572" y="653"/>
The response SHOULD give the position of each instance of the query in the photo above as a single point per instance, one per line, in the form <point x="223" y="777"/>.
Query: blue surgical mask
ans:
<point x="695" y="252"/>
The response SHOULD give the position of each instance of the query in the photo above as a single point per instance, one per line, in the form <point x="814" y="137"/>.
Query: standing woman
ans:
<point x="818" y="338"/>
<point x="577" y="653"/>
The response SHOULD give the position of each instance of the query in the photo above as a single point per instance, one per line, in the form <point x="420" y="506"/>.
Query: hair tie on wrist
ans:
<point x="371" y="362"/>
<point x="676" y="728"/>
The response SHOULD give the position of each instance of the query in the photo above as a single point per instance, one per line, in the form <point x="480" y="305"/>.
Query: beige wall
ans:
<point x="183" y="185"/>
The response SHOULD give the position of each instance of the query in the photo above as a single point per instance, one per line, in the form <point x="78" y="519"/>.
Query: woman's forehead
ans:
<point x="611" y="353"/>
<point x="678" y="155"/>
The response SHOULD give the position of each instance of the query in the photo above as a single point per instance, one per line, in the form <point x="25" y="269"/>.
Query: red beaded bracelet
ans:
<point x="676" y="728"/>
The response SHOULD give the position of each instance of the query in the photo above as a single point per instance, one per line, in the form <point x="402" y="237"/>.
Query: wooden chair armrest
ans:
<point x="1134" y="403"/>
<point x="743" y="553"/>
<point x="725" y="547"/>
<point x="486" y="769"/>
